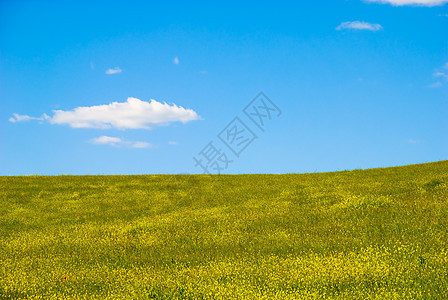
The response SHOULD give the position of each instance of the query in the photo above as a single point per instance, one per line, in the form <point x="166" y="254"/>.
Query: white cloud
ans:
<point x="106" y="140"/>
<point x="173" y="143"/>
<point x="176" y="60"/>
<point x="132" y="114"/>
<point x="24" y="118"/>
<point x="358" y="25"/>
<point x="411" y="2"/>
<point x="117" y="142"/>
<point x="441" y="74"/>
<point x="115" y="70"/>
<point x="435" y="84"/>
<point x="412" y="141"/>
<point x="140" y="145"/>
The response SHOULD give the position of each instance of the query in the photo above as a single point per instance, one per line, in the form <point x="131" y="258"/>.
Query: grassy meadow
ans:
<point x="362" y="234"/>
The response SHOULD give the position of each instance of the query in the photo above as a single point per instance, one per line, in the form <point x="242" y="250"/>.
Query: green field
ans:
<point x="375" y="234"/>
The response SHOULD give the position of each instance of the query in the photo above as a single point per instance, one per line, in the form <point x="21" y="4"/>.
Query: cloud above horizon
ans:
<point x="115" y="70"/>
<point x="359" y="25"/>
<point x="410" y="2"/>
<point x="117" y="142"/>
<point x="436" y="84"/>
<point x="132" y="114"/>
<point x="440" y="75"/>
<point x="24" y="118"/>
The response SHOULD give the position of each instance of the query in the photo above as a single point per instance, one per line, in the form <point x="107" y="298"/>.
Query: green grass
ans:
<point x="363" y="234"/>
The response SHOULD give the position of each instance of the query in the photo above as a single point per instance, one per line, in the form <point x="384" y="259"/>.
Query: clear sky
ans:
<point x="144" y="87"/>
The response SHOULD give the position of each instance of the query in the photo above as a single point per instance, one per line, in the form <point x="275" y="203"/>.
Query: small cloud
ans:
<point x="92" y="66"/>
<point x="358" y="25"/>
<point x="106" y="140"/>
<point x="140" y="145"/>
<point x="117" y="142"/>
<point x="442" y="15"/>
<point x="203" y="72"/>
<point x="21" y="118"/>
<point x="24" y="118"/>
<point x="435" y="84"/>
<point x="173" y="143"/>
<point x="412" y="141"/>
<point x="176" y="60"/>
<point x="411" y="2"/>
<point x="115" y="70"/>
<point x="441" y="74"/>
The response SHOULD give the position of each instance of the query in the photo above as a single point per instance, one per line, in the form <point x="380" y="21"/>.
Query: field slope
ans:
<point x="363" y="234"/>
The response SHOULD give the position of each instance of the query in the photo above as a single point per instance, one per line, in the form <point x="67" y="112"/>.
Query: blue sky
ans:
<point x="143" y="87"/>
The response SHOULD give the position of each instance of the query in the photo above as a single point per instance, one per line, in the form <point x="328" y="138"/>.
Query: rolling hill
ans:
<point x="362" y="234"/>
